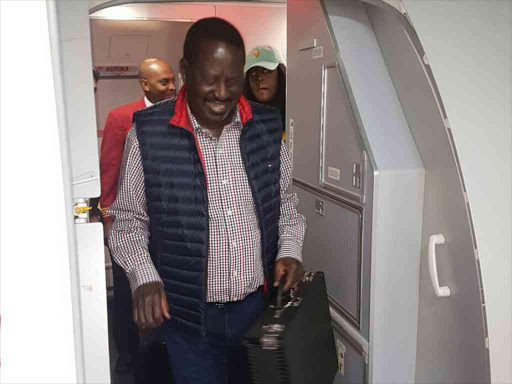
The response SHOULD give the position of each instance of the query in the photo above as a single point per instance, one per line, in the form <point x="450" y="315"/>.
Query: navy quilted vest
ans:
<point x="177" y="201"/>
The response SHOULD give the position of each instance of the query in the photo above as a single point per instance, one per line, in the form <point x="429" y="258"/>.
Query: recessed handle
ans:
<point x="308" y="44"/>
<point x="432" y="265"/>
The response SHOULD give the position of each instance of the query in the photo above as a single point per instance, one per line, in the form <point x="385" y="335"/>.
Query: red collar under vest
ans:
<point x="180" y="117"/>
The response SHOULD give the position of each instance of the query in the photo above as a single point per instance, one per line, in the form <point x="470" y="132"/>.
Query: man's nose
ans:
<point x="221" y="91"/>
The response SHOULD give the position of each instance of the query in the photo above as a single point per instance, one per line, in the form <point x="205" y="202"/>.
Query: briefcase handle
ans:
<point x="279" y="293"/>
<point x="293" y="302"/>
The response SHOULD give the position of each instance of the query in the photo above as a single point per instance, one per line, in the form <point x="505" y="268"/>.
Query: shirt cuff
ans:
<point x="290" y="248"/>
<point x="143" y="274"/>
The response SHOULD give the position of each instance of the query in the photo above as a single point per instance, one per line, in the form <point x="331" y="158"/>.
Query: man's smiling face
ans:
<point x="214" y="83"/>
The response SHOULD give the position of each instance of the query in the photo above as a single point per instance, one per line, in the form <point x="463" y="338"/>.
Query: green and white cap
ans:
<point x="262" y="56"/>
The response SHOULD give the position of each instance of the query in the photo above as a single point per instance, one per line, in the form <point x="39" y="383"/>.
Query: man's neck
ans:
<point x="215" y="131"/>
<point x="148" y="102"/>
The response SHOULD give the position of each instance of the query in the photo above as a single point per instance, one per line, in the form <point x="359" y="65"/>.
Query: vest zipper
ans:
<point x="206" y="263"/>
<point x="258" y="208"/>
<point x="205" y="282"/>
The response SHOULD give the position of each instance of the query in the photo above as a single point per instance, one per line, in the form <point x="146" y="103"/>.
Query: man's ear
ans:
<point x="144" y="84"/>
<point x="182" y="69"/>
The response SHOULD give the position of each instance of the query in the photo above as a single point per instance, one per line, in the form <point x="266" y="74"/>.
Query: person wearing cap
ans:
<point x="265" y="79"/>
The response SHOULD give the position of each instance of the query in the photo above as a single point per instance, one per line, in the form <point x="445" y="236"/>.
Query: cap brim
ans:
<point x="264" y="64"/>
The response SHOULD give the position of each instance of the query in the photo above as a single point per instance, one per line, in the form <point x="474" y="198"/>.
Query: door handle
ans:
<point x="432" y="265"/>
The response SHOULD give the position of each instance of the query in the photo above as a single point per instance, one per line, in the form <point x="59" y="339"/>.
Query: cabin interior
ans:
<point x="380" y="165"/>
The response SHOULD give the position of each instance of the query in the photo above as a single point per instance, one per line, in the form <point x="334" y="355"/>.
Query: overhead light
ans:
<point x="121" y="12"/>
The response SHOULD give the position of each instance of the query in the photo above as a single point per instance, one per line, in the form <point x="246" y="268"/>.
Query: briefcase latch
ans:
<point x="270" y="337"/>
<point x="294" y="301"/>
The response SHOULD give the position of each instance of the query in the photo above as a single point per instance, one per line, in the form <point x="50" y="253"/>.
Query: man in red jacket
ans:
<point x="157" y="80"/>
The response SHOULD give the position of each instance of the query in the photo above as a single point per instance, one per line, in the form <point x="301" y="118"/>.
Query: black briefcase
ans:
<point x="292" y="341"/>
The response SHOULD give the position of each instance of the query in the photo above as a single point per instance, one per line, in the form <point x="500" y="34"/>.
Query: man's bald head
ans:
<point x="157" y="80"/>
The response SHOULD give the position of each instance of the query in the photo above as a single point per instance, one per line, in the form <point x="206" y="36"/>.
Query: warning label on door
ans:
<point x="318" y="52"/>
<point x="333" y="173"/>
<point x="341" y="349"/>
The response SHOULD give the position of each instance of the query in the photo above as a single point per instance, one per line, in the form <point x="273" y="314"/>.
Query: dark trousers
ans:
<point x="218" y="357"/>
<point x="125" y="331"/>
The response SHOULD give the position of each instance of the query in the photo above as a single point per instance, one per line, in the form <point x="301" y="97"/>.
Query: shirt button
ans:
<point x="225" y="182"/>
<point x="234" y="244"/>
<point x="235" y="273"/>
<point x="229" y="212"/>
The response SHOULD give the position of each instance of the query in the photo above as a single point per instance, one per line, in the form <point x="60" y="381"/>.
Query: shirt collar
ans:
<point x="235" y="123"/>
<point x="147" y="102"/>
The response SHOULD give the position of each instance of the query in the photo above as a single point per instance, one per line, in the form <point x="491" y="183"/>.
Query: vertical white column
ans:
<point x="38" y="342"/>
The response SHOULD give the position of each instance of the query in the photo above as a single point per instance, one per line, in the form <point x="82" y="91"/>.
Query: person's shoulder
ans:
<point x="266" y="117"/>
<point x="127" y="110"/>
<point x="263" y="111"/>
<point x="163" y="108"/>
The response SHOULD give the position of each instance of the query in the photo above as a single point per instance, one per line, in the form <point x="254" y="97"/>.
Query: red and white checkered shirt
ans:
<point x="235" y="258"/>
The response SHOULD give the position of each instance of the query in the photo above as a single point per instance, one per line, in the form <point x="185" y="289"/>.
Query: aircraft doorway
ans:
<point x="398" y="151"/>
<point x="115" y="38"/>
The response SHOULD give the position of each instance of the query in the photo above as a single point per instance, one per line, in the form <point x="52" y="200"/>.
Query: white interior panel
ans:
<point x="128" y="47"/>
<point x="258" y="24"/>
<point x="37" y="324"/>
<point x="79" y="99"/>
<point x="157" y="11"/>
<point x="93" y="298"/>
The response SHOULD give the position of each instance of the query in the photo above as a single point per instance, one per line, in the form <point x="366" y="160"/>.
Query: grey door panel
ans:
<point x="451" y="330"/>
<point x="371" y="98"/>
<point x="333" y="244"/>
<point x="342" y="158"/>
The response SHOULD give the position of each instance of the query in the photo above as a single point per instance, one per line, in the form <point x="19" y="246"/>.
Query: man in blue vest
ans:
<point x="204" y="224"/>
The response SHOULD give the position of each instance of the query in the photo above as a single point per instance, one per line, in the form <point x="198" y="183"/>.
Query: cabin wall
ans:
<point x="165" y="41"/>
<point x="167" y="29"/>
<point x="259" y="25"/>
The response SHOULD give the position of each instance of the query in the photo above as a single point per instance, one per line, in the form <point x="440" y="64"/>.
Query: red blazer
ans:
<point x="119" y="122"/>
